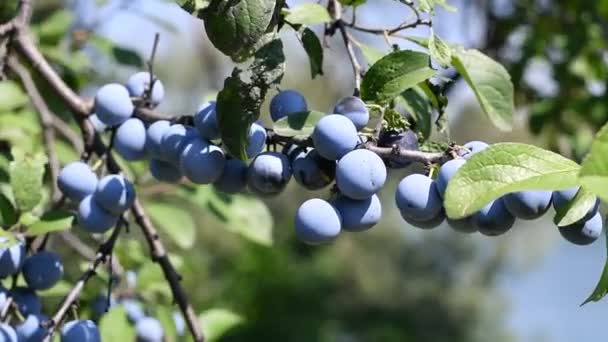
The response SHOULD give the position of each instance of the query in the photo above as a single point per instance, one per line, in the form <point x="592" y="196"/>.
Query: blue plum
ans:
<point x="312" y="171"/>
<point x="99" y="126"/>
<point x="164" y="171"/>
<point x="32" y="329"/>
<point x="149" y="329"/>
<point x="115" y="194"/>
<point x="334" y="136"/>
<point x="472" y="148"/>
<point x="418" y="199"/>
<point x="130" y="140"/>
<point x="446" y="172"/>
<point x="8" y="333"/>
<point x="100" y="305"/>
<point x="11" y="258"/>
<point x="354" y="109"/>
<point x="113" y="104"/>
<point x="27" y="301"/>
<point x="154" y="137"/>
<point x="139" y="83"/>
<point x="93" y="218"/>
<point x="256" y="140"/>
<point x="360" y="174"/>
<point x="233" y="178"/>
<point x="528" y="205"/>
<point x="202" y="162"/>
<point x="359" y="215"/>
<point x="174" y="141"/>
<point x="317" y="221"/>
<point x="205" y="121"/>
<point x="427" y="224"/>
<point x="269" y="173"/>
<point x="287" y="102"/>
<point x="463" y="225"/>
<point x="407" y="141"/>
<point x="584" y="232"/>
<point x="493" y="219"/>
<point x="42" y="270"/>
<point x="133" y="309"/>
<point x="80" y="331"/>
<point x="76" y="180"/>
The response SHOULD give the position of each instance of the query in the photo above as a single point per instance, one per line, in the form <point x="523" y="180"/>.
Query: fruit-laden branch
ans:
<point x="81" y="109"/>
<point x="103" y="253"/>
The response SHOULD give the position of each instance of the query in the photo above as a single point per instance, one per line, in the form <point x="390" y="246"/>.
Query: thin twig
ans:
<point x="336" y="13"/>
<point x="104" y="251"/>
<point x="46" y="120"/>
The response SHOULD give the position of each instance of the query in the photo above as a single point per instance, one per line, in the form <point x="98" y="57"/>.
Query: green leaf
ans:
<point x="419" y="108"/>
<point x="504" y="168"/>
<point x="244" y="215"/>
<point x="192" y="6"/>
<point x="594" y="170"/>
<point x="11" y="96"/>
<point x="120" y="54"/>
<point x="370" y="53"/>
<point x="314" y="50"/>
<point x="308" y="14"/>
<point x="176" y="222"/>
<point x="440" y="51"/>
<point x="428" y="6"/>
<point x="576" y="209"/>
<point x="395" y="73"/>
<point x="601" y="289"/>
<point x="52" y="221"/>
<point x="26" y="172"/>
<point x="298" y="124"/>
<point x="8" y="215"/>
<point x="239" y="102"/>
<point x="165" y="315"/>
<point x="114" y="326"/>
<point x="216" y="322"/>
<point x="235" y="27"/>
<point x="491" y="83"/>
<point x="54" y="28"/>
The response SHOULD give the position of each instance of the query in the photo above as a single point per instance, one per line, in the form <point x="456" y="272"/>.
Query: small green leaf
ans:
<point x="314" y="50"/>
<point x="440" y="51"/>
<point x="114" y="326"/>
<point x="491" y="84"/>
<point x="504" y="168"/>
<point x="576" y="209"/>
<point x="120" y="54"/>
<point x="297" y="124"/>
<point x="51" y="221"/>
<point x="53" y="29"/>
<point x="371" y="54"/>
<point x="594" y="170"/>
<point x="395" y="73"/>
<point x="244" y="215"/>
<point x="235" y="27"/>
<point x="8" y="215"/>
<point x="308" y="14"/>
<point x="239" y="102"/>
<point x="26" y="172"/>
<point x="11" y="96"/>
<point x="354" y="3"/>
<point x="175" y="222"/>
<point x="216" y="322"/>
<point x="428" y="6"/>
<point x="418" y="107"/>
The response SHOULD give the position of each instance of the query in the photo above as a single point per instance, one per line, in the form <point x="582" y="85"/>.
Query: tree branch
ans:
<point x="104" y="251"/>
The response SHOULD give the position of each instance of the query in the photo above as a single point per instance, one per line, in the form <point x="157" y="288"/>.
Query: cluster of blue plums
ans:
<point x="41" y="270"/>
<point x="420" y="201"/>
